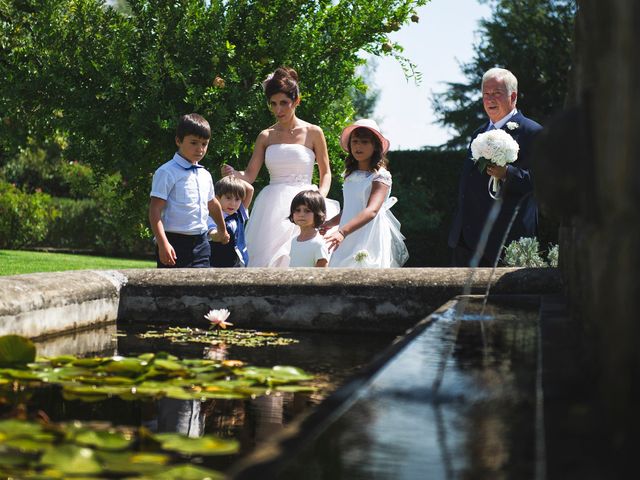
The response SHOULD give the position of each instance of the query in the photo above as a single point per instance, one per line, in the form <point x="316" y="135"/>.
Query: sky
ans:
<point x="437" y="44"/>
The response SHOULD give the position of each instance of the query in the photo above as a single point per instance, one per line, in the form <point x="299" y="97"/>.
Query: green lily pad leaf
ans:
<point x="230" y="384"/>
<point x="168" y="365"/>
<point x="292" y="373"/>
<point x="72" y="372"/>
<point x="147" y="357"/>
<point x="128" y="367"/>
<point x="180" y="394"/>
<point x="19" y="428"/>
<point x="116" y="380"/>
<point x="7" y="460"/>
<point x="19" y="374"/>
<point x="207" y="445"/>
<point x="295" y="388"/>
<point x="30" y="445"/>
<point x="188" y="472"/>
<point x="221" y="395"/>
<point x="61" y="360"/>
<point x="89" y="362"/>
<point x="115" y="390"/>
<point x="16" y="350"/>
<point x="71" y="459"/>
<point x="130" y="463"/>
<point x="104" y="440"/>
<point x="83" y="393"/>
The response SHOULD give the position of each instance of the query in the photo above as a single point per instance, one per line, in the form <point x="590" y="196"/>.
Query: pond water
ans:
<point x="458" y="402"/>
<point x="331" y="358"/>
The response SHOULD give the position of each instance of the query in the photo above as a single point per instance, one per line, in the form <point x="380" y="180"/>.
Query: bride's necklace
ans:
<point x="290" y="130"/>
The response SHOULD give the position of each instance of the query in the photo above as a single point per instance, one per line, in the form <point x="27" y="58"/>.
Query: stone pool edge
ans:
<point x="390" y="300"/>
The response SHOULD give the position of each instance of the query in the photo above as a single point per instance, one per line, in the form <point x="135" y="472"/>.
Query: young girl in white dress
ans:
<point x="368" y="234"/>
<point x="309" y="249"/>
<point x="290" y="148"/>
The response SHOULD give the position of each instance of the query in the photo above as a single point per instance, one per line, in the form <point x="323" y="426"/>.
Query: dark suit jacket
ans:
<point x="474" y="201"/>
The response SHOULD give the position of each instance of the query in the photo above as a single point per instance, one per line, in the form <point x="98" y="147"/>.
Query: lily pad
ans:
<point x="104" y="440"/>
<point x="188" y="472"/>
<point x="18" y="428"/>
<point x="16" y="350"/>
<point x="126" y="366"/>
<point x="29" y="445"/>
<point x="73" y="460"/>
<point x="133" y="463"/>
<point x="207" y="445"/>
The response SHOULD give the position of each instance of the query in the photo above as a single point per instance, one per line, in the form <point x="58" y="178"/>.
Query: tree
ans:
<point x="365" y="96"/>
<point x="111" y="84"/>
<point x="533" y="39"/>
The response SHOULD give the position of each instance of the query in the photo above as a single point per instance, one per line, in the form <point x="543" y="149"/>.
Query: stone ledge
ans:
<point x="318" y="299"/>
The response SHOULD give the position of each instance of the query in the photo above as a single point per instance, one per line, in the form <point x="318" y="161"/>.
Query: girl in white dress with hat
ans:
<point x="368" y="234"/>
<point x="290" y="148"/>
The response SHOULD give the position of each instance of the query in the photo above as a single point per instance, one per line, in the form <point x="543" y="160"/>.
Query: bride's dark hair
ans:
<point x="283" y="80"/>
<point x="378" y="160"/>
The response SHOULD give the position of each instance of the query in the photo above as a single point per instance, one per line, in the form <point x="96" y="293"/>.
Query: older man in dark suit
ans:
<point x="499" y="97"/>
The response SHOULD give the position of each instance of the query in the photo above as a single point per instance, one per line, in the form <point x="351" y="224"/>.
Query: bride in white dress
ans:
<point x="290" y="148"/>
<point x="369" y="234"/>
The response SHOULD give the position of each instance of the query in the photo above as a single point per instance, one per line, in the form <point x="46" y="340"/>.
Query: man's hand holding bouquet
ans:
<point x="497" y="147"/>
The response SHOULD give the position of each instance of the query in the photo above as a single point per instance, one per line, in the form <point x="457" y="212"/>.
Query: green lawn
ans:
<point x="13" y="262"/>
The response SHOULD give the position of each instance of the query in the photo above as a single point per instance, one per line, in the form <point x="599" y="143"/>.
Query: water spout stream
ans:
<point x="502" y="242"/>
<point x="462" y="304"/>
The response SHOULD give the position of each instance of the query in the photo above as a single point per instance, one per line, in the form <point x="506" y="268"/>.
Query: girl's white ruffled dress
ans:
<point x="269" y="232"/>
<point x="379" y="243"/>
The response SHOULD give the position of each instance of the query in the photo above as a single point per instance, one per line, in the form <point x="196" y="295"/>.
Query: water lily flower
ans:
<point x="218" y="317"/>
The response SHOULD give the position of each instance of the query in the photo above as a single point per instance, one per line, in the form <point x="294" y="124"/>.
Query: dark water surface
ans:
<point x="479" y="422"/>
<point x="331" y="358"/>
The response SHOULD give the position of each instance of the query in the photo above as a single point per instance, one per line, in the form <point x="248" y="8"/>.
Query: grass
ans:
<point x="13" y="262"/>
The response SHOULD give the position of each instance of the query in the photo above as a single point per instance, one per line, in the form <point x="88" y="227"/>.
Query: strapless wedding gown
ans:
<point x="269" y="232"/>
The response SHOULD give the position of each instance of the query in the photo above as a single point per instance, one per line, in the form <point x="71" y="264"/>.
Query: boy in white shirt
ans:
<point x="182" y="198"/>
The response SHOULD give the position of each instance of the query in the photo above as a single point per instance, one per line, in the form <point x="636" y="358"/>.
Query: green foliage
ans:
<point x="213" y="338"/>
<point x="74" y="227"/>
<point x="24" y="217"/>
<point x="553" y="256"/>
<point x="533" y="39"/>
<point x="364" y="95"/>
<point x="153" y="375"/>
<point x="16" y="350"/>
<point x="112" y="84"/>
<point x="525" y="252"/>
<point x="425" y="183"/>
<point x="101" y="450"/>
<point x="115" y="206"/>
<point x="79" y="179"/>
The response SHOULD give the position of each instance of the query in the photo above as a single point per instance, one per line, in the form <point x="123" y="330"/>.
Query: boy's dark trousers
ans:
<point x="193" y="251"/>
<point x="224" y="256"/>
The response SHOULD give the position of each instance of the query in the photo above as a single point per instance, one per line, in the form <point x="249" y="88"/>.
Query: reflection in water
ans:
<point x="181" y="416"/>
<point x="100" y="342"/>
<point x="479" y="424"/>
<point x="331" y="357"/>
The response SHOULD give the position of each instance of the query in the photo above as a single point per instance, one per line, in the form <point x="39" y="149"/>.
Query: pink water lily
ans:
<point x="218" y="318"/>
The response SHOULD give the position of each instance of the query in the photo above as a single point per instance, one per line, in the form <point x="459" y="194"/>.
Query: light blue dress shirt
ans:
<point x="187" y="188"/>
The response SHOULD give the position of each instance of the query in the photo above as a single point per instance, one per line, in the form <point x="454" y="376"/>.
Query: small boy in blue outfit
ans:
<point x="234" y="195"/>
<point x="182" y="198"/>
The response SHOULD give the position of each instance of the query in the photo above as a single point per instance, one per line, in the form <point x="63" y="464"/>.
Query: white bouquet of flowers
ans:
<point x="497" y="147"/>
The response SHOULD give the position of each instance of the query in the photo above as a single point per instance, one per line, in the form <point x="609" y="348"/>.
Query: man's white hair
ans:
<point x="504" y="75"/>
